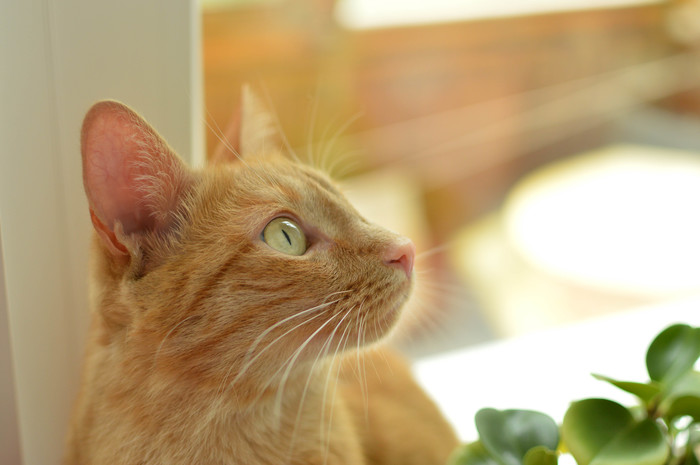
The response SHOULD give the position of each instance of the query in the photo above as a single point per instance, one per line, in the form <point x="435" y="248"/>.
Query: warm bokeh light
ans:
<point x="622" y="219"/>
<point x="361" y="14"/>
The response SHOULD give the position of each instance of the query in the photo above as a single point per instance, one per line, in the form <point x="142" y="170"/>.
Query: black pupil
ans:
<point x="286" y="236"/>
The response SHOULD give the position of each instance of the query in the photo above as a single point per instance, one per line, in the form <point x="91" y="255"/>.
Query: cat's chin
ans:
<point x="383" y="322"/>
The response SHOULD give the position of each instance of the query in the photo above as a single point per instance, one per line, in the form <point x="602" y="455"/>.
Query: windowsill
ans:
<point x="374" y="14"/>
<point x="547" y="370"/>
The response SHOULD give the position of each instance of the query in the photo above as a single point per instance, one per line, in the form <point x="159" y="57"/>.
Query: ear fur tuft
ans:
<point x="133" y="179"/>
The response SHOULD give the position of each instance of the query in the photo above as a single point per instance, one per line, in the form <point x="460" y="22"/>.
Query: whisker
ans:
<point x="292" y="358"/>
<point x="278" y="125"/>
<point x="291" y="361"/>
<point x="361" y="357"/>
<point x="216" y="130"/>
<point x="335" y="363"/>
<point x="336" y="135"/>
<point x="420" y="313"/>
<point x="249" y="362"/>
<point x="358" y="352"/>
<point x="260" y="353"/>
<point x="323" y="144"/>
<point x="326" y="348"/>
<point x="311" y="129"/>
<point x="442" y="286"/>
<point x="259" y="339"/>
<point x="348" y="161"/>
<point x="434" y="251"/>
<point x="322" y="353"/>
<point x="221" y="136"/>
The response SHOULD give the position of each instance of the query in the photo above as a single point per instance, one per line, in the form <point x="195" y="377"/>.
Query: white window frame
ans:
<point x="59" y="58"/>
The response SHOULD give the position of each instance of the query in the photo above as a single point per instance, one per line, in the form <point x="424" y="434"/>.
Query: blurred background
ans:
<point x="543" y="155"/>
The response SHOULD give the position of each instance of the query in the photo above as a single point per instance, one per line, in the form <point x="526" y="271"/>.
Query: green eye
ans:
<point x="284" y="235"/>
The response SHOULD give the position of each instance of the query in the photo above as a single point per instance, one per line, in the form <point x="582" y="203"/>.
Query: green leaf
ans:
<point x="678" y="399"/>
<point x="590" y="424"/>
<point x="642" y="444"/>
<point x="509" y="434"/>
<point x="688" y="384"/>
<point x="471" y="454"/>
<point x="673" y="353"/>
<point x="645" y="391"/>
<point x="540" y="455"/>
<point x="686" y="405"/>
<point x="691" y="458"/>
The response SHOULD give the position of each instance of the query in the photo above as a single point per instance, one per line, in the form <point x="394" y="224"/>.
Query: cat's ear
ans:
<point x="132" y="178"/>
<point x="250" y="131"/>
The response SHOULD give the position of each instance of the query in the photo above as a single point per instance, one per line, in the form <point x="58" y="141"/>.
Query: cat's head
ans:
<point x="236" y="267"/>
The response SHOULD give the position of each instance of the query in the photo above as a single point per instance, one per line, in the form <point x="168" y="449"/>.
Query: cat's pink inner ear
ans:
<point x="131" y="177"/>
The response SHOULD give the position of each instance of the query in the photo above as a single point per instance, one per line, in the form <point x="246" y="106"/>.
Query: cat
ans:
<point x="237" y="311"/>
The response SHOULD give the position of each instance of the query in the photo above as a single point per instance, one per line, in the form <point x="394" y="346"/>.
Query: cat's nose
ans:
<point x="401" y="254"/>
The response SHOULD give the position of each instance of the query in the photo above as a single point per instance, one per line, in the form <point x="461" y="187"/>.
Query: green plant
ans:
<point x="663" y="429"/>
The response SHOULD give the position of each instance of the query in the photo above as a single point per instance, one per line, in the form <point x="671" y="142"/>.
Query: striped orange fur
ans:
<point x="207" y="345"/>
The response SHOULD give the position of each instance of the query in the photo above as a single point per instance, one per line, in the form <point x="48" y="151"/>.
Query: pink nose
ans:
<point x="401" y="254"/>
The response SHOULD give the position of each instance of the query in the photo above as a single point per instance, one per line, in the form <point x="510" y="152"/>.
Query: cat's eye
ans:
<point x="284" y="235"/>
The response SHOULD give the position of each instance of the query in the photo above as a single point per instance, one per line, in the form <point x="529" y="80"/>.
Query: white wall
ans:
<point x="58" y="58"/>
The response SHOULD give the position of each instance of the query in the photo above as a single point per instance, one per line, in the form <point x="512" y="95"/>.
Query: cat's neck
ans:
<point x="250" y="409"/>
<point x="245" y="388"/>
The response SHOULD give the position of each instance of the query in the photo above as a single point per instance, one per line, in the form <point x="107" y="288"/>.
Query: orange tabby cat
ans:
<point x="232" y="309"/>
